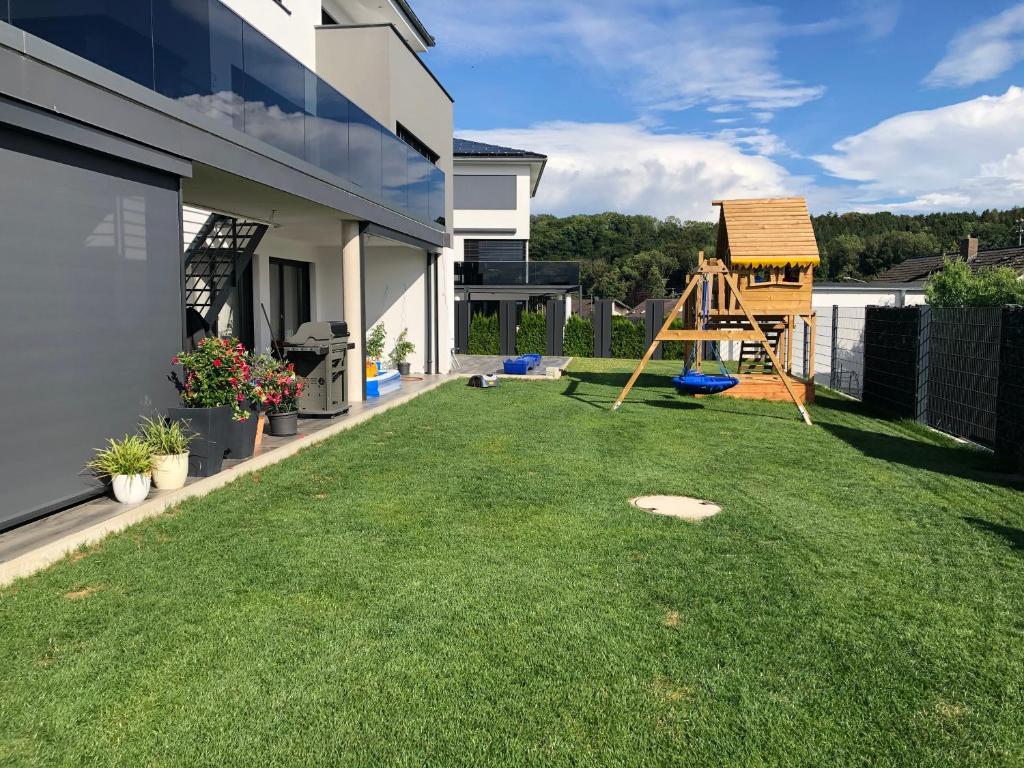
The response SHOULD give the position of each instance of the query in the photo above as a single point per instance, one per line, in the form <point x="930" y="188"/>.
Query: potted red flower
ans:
<point x="212" y="396"/>
<point x="279" y="393"/>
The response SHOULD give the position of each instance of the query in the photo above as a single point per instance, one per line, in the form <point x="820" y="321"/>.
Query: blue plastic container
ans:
<point x="520" y="366"/>
<point x="389" y="381"/>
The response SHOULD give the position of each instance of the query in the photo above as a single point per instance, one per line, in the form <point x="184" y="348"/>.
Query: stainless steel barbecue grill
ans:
<point x="319" y="351"/>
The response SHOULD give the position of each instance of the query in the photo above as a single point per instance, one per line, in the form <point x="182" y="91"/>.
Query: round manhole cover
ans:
<point x="677" y="506"/>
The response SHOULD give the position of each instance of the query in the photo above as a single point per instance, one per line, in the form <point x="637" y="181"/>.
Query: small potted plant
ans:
<point x="262" y="369"/>
<point x="375" y="350"/>
<point x="400" y="354"/>
<point x="129" y="464"/>
<point x="211" y="390"/>
<point x="168" y="441"/>
<point x="281" y="398"/>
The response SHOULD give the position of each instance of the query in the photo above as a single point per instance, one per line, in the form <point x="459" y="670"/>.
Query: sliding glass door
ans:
<point x="289" y="297"/>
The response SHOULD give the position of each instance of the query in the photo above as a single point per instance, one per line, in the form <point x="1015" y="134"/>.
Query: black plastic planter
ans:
<point x="283" y="424"/>
<point x="210" y="427"/>
<point x="403" y="369"/>
<point x="242" y="437"/>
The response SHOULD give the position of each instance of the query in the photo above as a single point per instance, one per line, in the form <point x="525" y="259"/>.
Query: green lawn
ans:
<point x="461" y="582"/>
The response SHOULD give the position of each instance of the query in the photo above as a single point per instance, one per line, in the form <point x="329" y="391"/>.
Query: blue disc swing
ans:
<point x="695" y="382"/>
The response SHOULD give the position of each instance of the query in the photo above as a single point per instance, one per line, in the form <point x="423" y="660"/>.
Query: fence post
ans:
<point x="507" y="327"/>
<point x="555" y="317"/>
<point x="832" y="349"/>
<point x="602" y="319"/>
<point x="462" y="319"/>
<point x="654" y="316"/>
<point x="924" y="339"/>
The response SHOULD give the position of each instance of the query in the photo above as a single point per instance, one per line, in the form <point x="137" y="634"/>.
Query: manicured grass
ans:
<point x="461" y="582"/>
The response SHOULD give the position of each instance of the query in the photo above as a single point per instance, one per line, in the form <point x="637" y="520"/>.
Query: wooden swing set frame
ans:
<point x="718" y="278"/>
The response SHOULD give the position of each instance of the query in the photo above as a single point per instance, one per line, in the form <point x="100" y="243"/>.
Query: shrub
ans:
<point x="532" y="334"/>
<point x="483" y="335"/>
<point x="579" y="337"/>
<point x="957" y="285"/>
<point x="627" y="338"/>
<point x="375" y="342"/>
<point x="674" y="350"/>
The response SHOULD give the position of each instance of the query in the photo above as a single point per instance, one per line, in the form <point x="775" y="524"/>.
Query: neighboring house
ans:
<point x="493" y="189"/>
<point x="918" y="270"/>
<point x="619" y="308"/>
<point x="305" y="140"/>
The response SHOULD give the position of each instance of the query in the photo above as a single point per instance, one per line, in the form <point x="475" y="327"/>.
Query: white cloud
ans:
<point x="983" y="51"/>
<point x="965" y="155"/>
<point x="667" y="57"/>
<point x="627" y="167"/>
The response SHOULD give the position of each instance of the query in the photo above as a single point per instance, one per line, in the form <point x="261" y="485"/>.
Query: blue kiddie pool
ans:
<point x="695" y="383"/>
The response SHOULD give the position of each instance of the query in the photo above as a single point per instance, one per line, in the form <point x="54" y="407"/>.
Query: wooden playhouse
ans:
<point x="755" y="297"/>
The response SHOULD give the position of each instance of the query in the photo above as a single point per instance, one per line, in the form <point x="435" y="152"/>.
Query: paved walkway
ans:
<point x="469" y="365"/>
<point x="33" y="546"/>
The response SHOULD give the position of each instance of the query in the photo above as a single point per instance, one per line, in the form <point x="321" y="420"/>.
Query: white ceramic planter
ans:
<point x="130" y="489"/>
<point x="169" y="472"/>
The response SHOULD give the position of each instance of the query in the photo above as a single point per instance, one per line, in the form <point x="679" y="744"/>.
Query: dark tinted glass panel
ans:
<point x="395" y="167"/>
<point x="111" y="33"/>
<point x="364" y="149"/>
<point x="554" y="272"/>
<point x="327" y="127"/>
<point x="5" y="14"/>
<point x="198" y="57"/>
<point x="438" y="210"/>
<point x="418" y="170"/>
<point x="275" y="94"/>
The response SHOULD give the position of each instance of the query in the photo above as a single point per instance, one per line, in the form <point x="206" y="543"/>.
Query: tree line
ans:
<point x="636" y="257"/>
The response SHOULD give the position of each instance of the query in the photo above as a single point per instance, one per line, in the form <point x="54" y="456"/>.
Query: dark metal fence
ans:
<point x="957" y="370"/>
<point x="963" y="371"/>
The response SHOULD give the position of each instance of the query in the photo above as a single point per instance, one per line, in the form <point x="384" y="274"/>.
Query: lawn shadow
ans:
<point x="953" y="460"/>
<point x="1014" y="536"/>
<point x="605" y="404"/>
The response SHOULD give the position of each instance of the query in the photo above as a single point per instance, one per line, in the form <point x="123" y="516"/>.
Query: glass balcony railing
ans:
<point x="202" y="54"/>
<point x="531" y="273"/>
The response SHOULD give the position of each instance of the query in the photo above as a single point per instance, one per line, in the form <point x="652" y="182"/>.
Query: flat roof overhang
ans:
<point x="49" y="78"/>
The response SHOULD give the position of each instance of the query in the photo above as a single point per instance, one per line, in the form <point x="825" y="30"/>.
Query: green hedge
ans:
<point x="483" y="335"/>
<point x="627" y="339"/>
<point x="579" y="337"/>
<point x="674" y="350"/>
<point x="532" y="334"/>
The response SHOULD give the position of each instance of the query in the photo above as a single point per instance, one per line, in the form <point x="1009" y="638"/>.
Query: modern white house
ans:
<point x="243" y="165"/>
<point x="493" y="190"/>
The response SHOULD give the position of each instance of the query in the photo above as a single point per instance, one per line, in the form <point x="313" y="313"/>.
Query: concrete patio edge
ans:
<point x="54" y="551"/>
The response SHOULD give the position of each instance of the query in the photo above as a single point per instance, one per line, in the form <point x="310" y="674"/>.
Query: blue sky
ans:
<point x="659" y="106"/>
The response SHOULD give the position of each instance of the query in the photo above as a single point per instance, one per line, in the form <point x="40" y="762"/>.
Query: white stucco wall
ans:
<point x="866" y="295"/>
<point x="395" y="294"/>
<point x="491" y="224"/>
<point x="294" y="32"/>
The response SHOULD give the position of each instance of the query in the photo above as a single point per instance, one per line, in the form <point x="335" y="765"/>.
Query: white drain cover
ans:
<point x="677" y="506"/>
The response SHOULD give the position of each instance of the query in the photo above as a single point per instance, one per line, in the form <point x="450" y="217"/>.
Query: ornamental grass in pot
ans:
<point x="168" y="440"/>
<point x="128" y="463"/>
<point x="212" y="390"/>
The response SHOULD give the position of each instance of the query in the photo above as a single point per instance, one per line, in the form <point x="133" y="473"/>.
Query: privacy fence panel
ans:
<point x="1010" y="408"/>
<point x="890" y="359"/>
<point x="963" y="372"/>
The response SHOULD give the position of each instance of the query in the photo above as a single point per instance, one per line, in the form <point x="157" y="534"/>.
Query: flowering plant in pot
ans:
<point x="168" y="441"/>
<point x="401" y="351"/>
<point x="129" y="464"/>
<point x="280" y="393"/>
<point x="212" y="394"/>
